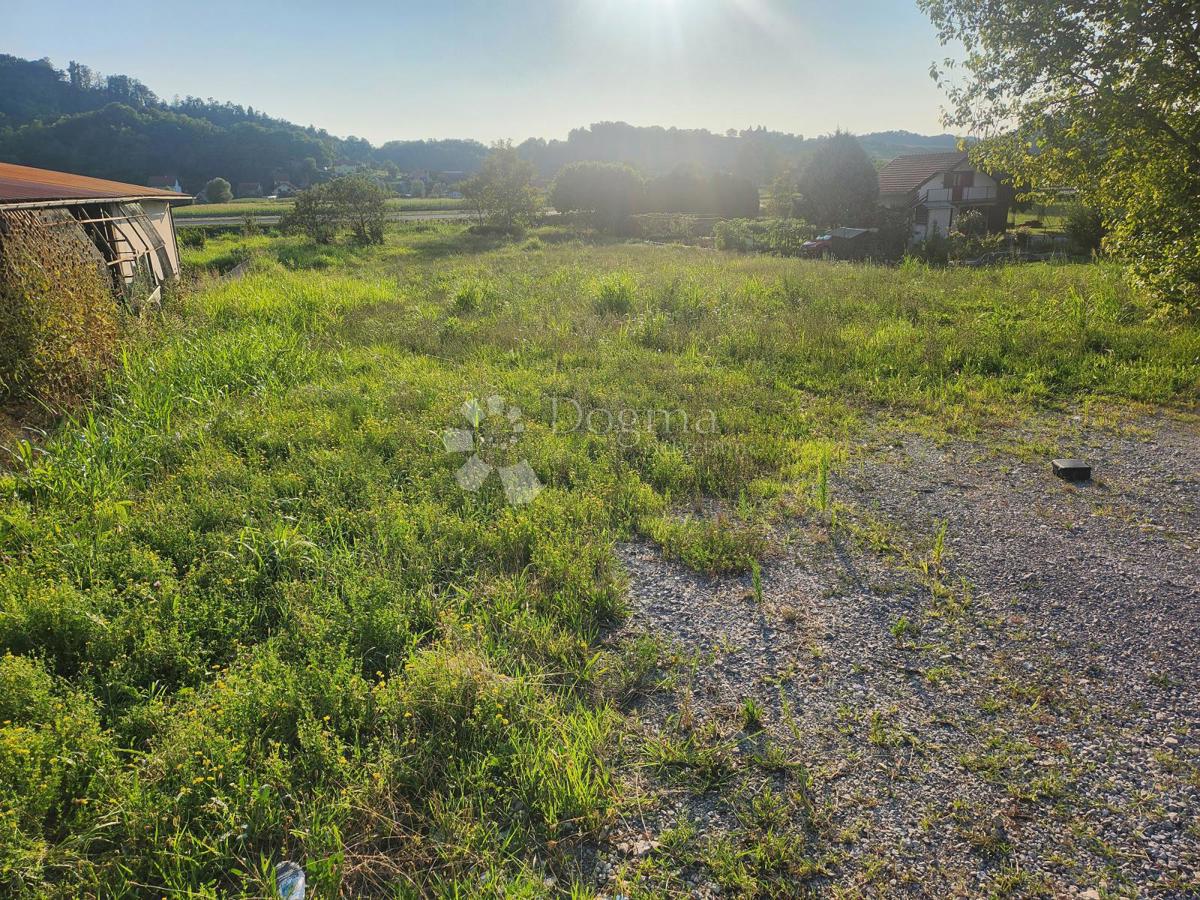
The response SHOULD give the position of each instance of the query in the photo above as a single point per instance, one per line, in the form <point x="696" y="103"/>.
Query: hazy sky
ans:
<point x="489" y="70"/>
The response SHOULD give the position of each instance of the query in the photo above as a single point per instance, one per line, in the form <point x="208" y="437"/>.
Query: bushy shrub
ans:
<point x="972" y="223"/>
<point x="939" y="249"/>
<point x="192" y="238"/>
<point x="354" y="203"/>
<point x="608" y="192"/>
<point x="671" y="226"/>
<point x="1084" y="227"/>
<point x="58" y="316"/>
<point x="218" y="190"/>
<point x="781" y="237"/>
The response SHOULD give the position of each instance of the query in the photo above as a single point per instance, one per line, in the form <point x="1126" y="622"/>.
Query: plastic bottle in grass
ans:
<point x="289" y="881"/>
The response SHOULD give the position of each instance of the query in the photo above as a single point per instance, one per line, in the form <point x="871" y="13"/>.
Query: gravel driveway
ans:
<point x="1014" y="712"/>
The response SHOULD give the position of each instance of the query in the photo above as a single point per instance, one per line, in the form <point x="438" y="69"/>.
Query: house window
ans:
<point x="958" y="182"/>
<point x="921" y="215"/>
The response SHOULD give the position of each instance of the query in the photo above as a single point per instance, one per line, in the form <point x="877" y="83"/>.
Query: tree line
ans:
<point x="116" y="127"/>
<point x="838" y="186"/>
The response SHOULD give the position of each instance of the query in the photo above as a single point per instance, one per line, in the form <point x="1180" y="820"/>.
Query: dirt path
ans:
<point x="1015" y="713"/>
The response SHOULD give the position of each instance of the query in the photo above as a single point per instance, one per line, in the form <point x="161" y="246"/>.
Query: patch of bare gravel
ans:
<point x="1045" y="740"/>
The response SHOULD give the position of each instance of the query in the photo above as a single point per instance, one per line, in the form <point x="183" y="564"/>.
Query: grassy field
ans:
<point x="247" y="614"/>
<point x="262" y="207"/>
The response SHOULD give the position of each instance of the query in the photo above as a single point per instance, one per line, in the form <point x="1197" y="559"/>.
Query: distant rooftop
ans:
<point x="907" y="173"/>
<point x="25" y="184"/>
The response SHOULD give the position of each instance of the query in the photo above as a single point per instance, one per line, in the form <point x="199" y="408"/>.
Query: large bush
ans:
<point x="353" y="203"/>
<point x="610" y="192"/>
<point x="780" y="237"/>
<point x="218" y="190"/>
<point x="58" y="316"/>
<point x="1084" y="227"/>
<point x="689" y="189"/>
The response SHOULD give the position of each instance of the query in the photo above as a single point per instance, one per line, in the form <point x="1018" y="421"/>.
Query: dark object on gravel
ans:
<point x="1072" y="469"/>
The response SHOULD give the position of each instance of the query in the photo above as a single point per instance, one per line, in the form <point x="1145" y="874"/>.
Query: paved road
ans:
<point x="419" y="216"/>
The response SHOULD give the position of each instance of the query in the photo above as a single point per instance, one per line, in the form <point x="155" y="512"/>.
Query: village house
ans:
<point x="165" y="182"/>
<point x="127" y="229"/>
<point x="934" y="189"/>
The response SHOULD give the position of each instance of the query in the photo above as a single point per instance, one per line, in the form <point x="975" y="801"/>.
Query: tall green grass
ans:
<point x="247" y="614"/>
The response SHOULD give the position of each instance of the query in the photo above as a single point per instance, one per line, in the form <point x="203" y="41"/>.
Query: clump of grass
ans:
<point x="904" y="628"/>
<point x="470" y="296"/>
<point x="709" y="545"/>
<point x="614" y="293"/>
<point x="752" y="714"/>
<point x="699" y="759"/>
<point x="821" y="488"/>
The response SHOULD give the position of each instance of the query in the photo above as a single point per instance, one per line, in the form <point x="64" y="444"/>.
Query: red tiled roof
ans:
<point x="907" y="173"/>
<point x="26" y="184"/>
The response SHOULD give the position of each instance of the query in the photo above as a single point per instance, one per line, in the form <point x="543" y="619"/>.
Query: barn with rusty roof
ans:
<point x="127" y="229"/>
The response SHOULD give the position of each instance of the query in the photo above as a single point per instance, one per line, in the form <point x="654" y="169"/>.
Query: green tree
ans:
<point x="353" y="202"/>
<point x="839" y="186"/>
<point x="689" y="189"/>
<point x="784" y="196"/>
<point x="502" y="192"/>
<point x="313" y="214"/>
<point x="611" y="192"/>
<point x="360" y="204"/>
<point x="218" y="190"/>
<point x="1099" y="95"/>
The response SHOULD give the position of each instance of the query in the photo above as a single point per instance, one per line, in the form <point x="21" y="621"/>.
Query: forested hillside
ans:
<point x="116" y="127"/>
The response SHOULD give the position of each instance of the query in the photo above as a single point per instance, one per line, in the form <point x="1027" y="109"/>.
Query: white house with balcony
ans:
<point x="934" y="189"/>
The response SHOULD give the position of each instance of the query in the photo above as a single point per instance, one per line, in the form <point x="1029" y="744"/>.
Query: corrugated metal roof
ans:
<point x="23" y="184"/>
<point x="907" y="173"/>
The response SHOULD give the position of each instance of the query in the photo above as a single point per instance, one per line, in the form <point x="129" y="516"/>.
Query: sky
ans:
<point x="512" y="69"/>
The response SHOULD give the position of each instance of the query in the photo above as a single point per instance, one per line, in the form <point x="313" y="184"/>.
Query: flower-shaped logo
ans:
<point x="493" y="432"/>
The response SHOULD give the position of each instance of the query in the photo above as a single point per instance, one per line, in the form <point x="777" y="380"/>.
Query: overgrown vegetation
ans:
<point x="247" y="614"/>
<point x="352" y="203"/>
<point x="58" y="315"/>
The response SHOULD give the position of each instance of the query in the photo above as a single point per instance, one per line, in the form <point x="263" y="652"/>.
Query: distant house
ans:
<point x="285" y="189"/>
<point x="248" y="189"/>
<point x="934" y="189"/>
<point x="126" y="229"/>
<point x="165" y="183"/>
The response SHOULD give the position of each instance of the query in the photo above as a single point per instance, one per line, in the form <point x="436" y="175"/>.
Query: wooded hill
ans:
<point x="116" y="127"/>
